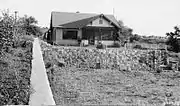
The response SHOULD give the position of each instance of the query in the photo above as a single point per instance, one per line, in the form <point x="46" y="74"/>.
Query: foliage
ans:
<point x="15" y="61"/>
<point x="100" y="46"/>
<point x="15" y="67"/>
<point x="125" y="32"/>
<point x="29" y="25"/>
<point x="134" y="37"/>
<point x="12" y="28"/>
<point x="116" y="45"/>
<point x="6" y="29"/>
<point x="173" y="39"/>
<point x="137" y="47"/>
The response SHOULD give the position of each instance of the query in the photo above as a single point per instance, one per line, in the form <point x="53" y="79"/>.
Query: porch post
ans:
<point x="99" y="39"/>
<point x="80" y="33"/>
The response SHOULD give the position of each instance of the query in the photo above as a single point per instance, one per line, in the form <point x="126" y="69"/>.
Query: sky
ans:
<point x="145" y="17"/>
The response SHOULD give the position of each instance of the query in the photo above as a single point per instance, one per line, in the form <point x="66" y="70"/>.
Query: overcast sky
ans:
<point x="145" y="17"/>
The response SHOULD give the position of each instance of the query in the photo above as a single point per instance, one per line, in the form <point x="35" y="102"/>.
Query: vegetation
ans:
<point x="174" y="40"/>
<point x="15" y="72"/>
<point x="124" y="77"/>
<point x="15" y="58"/>
<point x="12" y="28"/>
<point x="125" y="32"/>
<point x="100" y="46"/>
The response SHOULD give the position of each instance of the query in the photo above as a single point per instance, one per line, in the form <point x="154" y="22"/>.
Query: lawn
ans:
<point x="97" y="86"/>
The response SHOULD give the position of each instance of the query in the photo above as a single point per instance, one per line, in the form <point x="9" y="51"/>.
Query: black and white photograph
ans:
<point x="90" y="52"/>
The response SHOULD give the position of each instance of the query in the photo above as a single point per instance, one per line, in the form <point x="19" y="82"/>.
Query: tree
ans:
<point x="6" y="29"/>
<point x="124" y="30"/>
<point x="172" y="40"/>
<point x="134" y="37"/>
<point x="29" y="25"/>
<point x="22" y="26"/>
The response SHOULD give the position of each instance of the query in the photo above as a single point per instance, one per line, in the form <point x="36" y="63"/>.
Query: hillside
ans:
<point x="112" y="76"/>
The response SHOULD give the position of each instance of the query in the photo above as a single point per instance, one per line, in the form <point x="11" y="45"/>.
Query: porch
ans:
<point x="93" y="35"/>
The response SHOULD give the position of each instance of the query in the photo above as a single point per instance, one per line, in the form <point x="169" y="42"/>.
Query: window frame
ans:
<point x="66" y="35"/>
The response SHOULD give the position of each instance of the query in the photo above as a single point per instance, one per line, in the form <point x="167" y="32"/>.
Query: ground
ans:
<point x="131" y="83"/>
<point x="97" y="86"/>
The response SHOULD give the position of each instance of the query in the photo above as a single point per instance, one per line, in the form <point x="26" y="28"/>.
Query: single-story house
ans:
<point x="70" y="28"/>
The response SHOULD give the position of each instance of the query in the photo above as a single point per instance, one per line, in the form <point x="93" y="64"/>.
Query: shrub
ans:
<point x="48" y="65"/>
<point x="173" y="40"/>
<point x="117" y="44"/>
<point x="134" y="38"/>
<point x="100" y="46"/>
<point x="139" y="47"/>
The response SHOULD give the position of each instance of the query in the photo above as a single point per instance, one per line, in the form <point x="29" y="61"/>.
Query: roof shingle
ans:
<point x="76" y="20"/>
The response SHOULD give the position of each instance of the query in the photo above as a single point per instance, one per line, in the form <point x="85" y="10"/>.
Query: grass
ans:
<point x="136" y="84"/>
<point x="96" y="87"/>
<point x="15" y="71"/>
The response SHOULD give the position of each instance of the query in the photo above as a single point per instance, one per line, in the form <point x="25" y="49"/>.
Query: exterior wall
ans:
<point x="61" y="41"/>
<point x="53" y="39"/>
<point x="104" y="24"/>
<point x="59" y="34"/>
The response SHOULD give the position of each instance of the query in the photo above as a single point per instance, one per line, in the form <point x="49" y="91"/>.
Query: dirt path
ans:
<point x="42" y="94"/>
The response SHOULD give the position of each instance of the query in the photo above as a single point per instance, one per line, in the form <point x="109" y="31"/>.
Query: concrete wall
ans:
<point x="105" y="42"/>
<point x="104" y="24"/>
<point x="67" y="42"/>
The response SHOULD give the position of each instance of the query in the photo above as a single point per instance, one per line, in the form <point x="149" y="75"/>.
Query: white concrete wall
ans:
<point x="105" y="42"/>
<point x="104" y="24"/>
<point x="67" y="42"/>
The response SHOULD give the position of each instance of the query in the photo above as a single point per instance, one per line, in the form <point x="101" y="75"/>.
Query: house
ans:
<point x="69" y="28"/>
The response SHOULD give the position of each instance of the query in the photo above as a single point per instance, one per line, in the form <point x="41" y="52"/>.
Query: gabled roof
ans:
<point x="77" y="20"/>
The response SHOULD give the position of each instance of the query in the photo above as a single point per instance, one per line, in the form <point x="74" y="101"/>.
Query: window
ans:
<point x="100" y="21"/>
<point x="69" y="34"/>
<point x="107" y="35"/>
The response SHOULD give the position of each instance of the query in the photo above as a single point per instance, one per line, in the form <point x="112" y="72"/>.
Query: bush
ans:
<point x="173" y="40"/>
<point x="100" y="46"/>
<point x="134" y="38"/>
<point x="117" y="44"/>
<point x="139" y="47"/>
